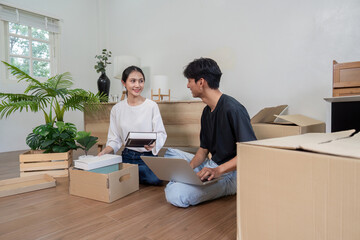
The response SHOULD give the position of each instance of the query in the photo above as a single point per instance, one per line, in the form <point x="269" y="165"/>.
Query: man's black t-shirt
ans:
<point x="221" y="129"/>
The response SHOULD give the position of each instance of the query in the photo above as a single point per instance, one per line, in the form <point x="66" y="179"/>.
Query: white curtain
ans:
<point x="23" y="17"/>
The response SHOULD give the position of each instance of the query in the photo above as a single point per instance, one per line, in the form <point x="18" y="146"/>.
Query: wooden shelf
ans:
<point x="181" y="120"/>
<point x="346" y="79"/>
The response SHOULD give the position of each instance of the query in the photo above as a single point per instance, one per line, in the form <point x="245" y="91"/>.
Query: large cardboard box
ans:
<point x="286" y="192"/>
<point x="105" y="187"/>
<point x="265" y="125"/>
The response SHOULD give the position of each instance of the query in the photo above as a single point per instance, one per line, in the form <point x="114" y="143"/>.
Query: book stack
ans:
<point x="100" y="164"/>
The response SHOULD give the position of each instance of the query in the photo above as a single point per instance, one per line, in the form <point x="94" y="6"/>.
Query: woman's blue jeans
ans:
<point x="146" y="176"/>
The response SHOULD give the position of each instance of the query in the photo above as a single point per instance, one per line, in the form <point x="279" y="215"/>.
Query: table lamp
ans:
<point x="159" y="88"/>
<point x="120" y="64"/>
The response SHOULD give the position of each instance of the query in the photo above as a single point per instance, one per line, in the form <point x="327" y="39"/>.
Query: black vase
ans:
<point x="104" y="85"/>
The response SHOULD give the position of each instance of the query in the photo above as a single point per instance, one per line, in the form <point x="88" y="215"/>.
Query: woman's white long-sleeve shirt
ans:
<point x="141" y="118"/>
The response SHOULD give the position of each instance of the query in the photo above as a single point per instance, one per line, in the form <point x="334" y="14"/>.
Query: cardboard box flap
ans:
<point x="268" y="114"/>
<point x="338" y="143"/>
<point x="347" y="147"/>
<point x="299" y="120"/>
<point x="296" y="141"/>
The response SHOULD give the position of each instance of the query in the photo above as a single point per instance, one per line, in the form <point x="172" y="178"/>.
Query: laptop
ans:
<point x="174" y="169"/>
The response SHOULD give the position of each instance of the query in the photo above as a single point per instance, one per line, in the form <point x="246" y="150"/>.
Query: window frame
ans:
<point x="53" y="49"/>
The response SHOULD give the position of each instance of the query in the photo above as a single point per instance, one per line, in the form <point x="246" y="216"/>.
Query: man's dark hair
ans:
<point x="205" y="68"/>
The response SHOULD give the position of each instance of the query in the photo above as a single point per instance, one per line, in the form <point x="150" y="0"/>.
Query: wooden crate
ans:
<point x="14" y="186"/>
<point x="54" y="164"/>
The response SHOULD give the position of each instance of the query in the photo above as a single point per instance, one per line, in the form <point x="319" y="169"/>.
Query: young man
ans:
<point x="224" y="122"/>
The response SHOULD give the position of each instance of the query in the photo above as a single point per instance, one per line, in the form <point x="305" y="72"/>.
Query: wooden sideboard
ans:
<point x="181" y="120"/>
<point x="346" y="79"/>
<point x="345" y="103"/>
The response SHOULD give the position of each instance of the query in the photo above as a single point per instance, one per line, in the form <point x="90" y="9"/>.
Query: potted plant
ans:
<point x="85" y="141"/>
<point x="53" y="97"/>
<point x="51" y="150"/>
<point x="103" y="82"/>
<point x="52" y="139"/>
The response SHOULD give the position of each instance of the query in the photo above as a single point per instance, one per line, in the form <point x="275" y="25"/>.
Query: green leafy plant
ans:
<point x="53" y="97"/>
<point x="85" y="140"/>
<point x="102" y="61"/>
<point x="58" y="138"/>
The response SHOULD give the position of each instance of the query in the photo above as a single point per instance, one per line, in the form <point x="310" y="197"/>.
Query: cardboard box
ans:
<point x="285" y="192"/>
<point x="265" y="125"/>
<point x="105" y="187"/>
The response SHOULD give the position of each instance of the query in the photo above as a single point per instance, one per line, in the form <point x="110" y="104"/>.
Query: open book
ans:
<point x="139" y="139"/>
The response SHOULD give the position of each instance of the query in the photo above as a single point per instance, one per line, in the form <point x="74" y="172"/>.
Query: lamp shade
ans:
<point x="122" y="62"/>
<point x="160" y="81"/>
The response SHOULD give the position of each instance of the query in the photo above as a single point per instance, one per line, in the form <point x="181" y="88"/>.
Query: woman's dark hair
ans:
<point x="129" y="70"/>
<point x="205" y="68"/>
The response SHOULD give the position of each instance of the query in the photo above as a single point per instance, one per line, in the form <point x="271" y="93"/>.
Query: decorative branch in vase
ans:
<point x="103" y="82"/>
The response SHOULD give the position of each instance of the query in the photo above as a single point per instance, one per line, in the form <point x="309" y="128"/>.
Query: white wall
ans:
<point x="79" y="43"/>
<point x="271" y="52"/>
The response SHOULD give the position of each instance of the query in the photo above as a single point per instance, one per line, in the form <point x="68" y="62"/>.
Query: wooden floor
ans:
<point x="54" y="214"/>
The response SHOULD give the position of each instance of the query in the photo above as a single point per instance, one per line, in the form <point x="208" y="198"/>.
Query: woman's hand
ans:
<point x="150" y="147"/>
<point x="106" y="150"/>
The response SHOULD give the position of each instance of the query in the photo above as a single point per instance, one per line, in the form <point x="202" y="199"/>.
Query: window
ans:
<point x="30" y="41"/>
<point x="29" y="49"/>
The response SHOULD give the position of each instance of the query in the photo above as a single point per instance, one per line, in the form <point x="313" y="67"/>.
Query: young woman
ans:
<point x="135" y="114"/>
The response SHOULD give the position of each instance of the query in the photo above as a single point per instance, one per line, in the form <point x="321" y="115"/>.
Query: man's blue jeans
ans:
<point x="146" y="176"/>
<point x="184" y="195"/>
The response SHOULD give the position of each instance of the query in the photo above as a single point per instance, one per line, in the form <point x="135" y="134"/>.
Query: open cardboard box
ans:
<point x="268" y="123"/>
<point x="299" y="187"/>
<point x="105" y="187"/>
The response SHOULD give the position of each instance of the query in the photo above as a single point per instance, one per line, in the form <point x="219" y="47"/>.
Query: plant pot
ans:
<point x="104" y="85"/>
<point x="36" y="162"/>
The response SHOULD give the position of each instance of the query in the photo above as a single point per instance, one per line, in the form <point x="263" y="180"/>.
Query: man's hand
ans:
<point x="209" y="173"/>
